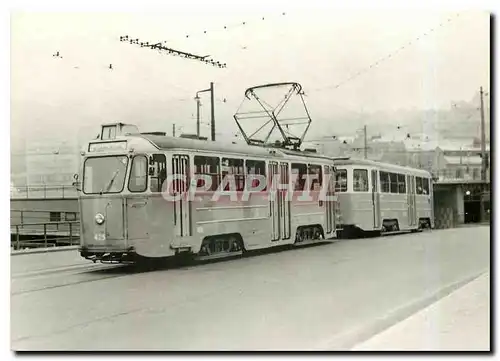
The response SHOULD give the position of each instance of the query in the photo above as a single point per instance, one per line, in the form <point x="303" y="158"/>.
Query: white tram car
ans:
<point x="376" y="197"/>
<point x="125" y="217"/>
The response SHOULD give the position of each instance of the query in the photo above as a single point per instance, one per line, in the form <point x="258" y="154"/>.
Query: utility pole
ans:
<point x="173" y="130"/>
<point x="197" y="115"/>
<point x="212" y="111"/>
<point x="484" y="160"/>
<point x="366" y="143"/>
<point x="483" y="140"/>
<point x="212" y="123"/>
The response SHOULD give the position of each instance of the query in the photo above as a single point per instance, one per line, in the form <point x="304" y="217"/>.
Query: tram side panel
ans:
<point x="424" y="202"/>
<point x="152" y="231"/>
<point x="394" y="207"/>
<point x="247" y="218"/>
<point x="355" y="200"/>
<point x="357" y="210"/>
<point x="424" y="209"/>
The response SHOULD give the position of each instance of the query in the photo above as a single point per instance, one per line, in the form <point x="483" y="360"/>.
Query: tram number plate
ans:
<point x="100" y="237"/>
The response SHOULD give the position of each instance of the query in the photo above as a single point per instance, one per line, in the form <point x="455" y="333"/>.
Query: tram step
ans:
<point x="310" y="241"/>
<point x="393" y="232"/>
<point x="219" y="255"/>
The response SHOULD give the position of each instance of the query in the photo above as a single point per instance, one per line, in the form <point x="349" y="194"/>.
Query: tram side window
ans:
<point x="394" y="182"/>
<point x="315" y="177"/>
<point x="360" y="180"/>
<point x="385" y="182"/>
<point x="419" y="187"/>
<point x="138" y="174"/>
<point x="299" y="175"/>
<point x="425" y="185"/>
<point x="208" y="166"/>
<point x="401" y="183"/>
<point x="256" y="167"/>
<point x="341" y="180"/>
<point x="233" y="167"/>
<point x="159" y="174"/>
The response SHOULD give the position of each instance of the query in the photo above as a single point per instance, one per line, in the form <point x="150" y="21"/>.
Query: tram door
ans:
<point x="278" y="204"/>
<point x="273" y="201"/>
<point x="283" y="202"/>
<point x="329" y="204"/>
<point x="410" y="192"/>
<point x="375" y="199"/>
<point x="182" y="206"/>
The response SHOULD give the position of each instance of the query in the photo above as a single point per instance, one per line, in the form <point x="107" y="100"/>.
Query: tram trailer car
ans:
<point x="125" y="217"/>
<point x="376" y="198"/>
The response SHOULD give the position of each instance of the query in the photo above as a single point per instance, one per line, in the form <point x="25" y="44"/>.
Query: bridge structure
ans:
<point x="465" y="198"/>
<point x="44" y="216"/>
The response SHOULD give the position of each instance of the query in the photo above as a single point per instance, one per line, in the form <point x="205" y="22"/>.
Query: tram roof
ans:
<point x="165" y="142"/>
<point x="380" y="165"/>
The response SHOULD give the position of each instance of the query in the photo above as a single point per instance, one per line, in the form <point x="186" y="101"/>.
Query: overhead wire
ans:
<point x="386" y="57"/>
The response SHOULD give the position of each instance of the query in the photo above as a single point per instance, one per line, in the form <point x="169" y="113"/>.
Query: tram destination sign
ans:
<point x="107" y="146"/>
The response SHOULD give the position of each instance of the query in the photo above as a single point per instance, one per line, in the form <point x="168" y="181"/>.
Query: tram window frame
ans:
<point x="108" y="132"/>
<point x="394" y="182"/>
<point x="160" y="172"/>
<point x="419" y="185"/>
<point x="237" y="166"/>
<point x="121" y="157"/>
<point x="202" y="167"/>
<point x="299" y="180"/>
<point x="385" y="182"/>
<point x="341" y="174"/>
<point x="316" y="180"/>
<point x="401" y="183"/>
<point x="425" y="186"/>
<point x="138" y="190"/>
<point x="255" y="165"/>
<point x="364" y="175"/>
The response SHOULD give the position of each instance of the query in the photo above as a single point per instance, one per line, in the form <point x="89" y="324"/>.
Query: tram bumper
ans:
<point x="108" y="254"/>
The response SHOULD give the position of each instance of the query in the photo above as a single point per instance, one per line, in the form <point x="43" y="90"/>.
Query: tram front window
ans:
<point x="104" y="174"/>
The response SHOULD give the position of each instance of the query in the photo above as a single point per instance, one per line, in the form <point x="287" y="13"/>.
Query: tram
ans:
<point x="377" y="198"/>
<point x="136" y="198"/>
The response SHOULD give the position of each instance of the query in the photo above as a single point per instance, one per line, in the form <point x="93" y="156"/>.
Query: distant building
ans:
<point x="44" y="161"/>
<point x="463" y="163"/>
<point x="457" y="159"/>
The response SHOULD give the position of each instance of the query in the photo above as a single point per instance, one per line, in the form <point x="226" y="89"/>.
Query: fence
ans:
<point x="44" y="192"/>
<point x="45" y="234"/>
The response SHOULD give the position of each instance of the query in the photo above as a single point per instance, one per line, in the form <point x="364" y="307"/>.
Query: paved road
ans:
<point x="330" y="296"/>
<point x="457" y="322"/>
<point x="21" y="262"/>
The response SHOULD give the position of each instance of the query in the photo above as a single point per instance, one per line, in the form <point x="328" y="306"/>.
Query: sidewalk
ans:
<point x="457" y="322"/>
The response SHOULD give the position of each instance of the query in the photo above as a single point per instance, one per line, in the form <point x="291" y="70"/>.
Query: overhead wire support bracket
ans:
<point x="160" y="46"/>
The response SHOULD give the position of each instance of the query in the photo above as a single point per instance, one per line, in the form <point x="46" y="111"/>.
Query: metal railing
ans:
<point x="464" y="175"/>
<point x="45" y="234"/>
<point x="37" y="216"/>
<point x="43" y="191"/>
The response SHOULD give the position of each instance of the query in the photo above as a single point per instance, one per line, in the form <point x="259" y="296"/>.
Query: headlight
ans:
<point x="99" y="218"/>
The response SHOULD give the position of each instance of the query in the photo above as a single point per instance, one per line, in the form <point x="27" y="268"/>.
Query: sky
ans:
<point x="70" y="97"/>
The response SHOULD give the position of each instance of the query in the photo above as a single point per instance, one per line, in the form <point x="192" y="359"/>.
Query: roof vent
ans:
<point x="155" y="133"/>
